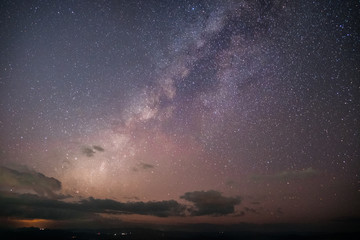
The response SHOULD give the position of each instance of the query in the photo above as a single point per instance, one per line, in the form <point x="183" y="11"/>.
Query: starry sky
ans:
<point x="179" y="112"/>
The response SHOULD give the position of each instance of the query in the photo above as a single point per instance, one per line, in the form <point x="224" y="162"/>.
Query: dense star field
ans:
<point x="235" y="114"/>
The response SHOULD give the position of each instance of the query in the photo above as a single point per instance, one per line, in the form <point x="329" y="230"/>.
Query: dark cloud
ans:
<point x="33" y="206"/>
<point x="49" y="205"/>
<point x="146" y="165"/>
<point x="160" y="209"/>
<point x="28" y="181"/>
<point x="211" y="203"/>
<point x="142" y="166"/>
<point x="30" y="206"/>
<point x="89" y="152"/>
<point x="98" y="148"/>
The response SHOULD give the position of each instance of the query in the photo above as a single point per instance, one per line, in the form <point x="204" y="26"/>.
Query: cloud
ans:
<point x="155" y="208"/>
<point x="90" y="151"/>
<point x="33" y="206"/>
<point x="28" y="181"/>
<point x="143" y="166"/>
<point x="41" y="201"/>
<point x="98" y="148"/>
<point x="30" y="206"/>
<point x="146" y="165"/>
<point x="211" y="203"/>
<point x="288" y="175"/>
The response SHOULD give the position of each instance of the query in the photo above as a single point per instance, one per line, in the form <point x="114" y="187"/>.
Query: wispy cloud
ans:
<point x="29" y="181"/>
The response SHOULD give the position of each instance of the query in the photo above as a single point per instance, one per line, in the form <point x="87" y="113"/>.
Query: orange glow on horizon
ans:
<point x="37" y="222"/>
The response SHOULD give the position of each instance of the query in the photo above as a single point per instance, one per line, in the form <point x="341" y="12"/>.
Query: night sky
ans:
<point x="179" y="112"/>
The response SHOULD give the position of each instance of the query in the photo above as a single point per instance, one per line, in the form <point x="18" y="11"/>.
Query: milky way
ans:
<point x="253" y="105"/>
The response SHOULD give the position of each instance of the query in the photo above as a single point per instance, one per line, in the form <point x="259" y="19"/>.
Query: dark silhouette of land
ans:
<point x="149" y="234"/>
